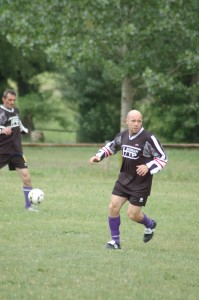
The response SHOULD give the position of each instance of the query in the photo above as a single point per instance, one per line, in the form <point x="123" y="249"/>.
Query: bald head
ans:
<point x="134" y="121"/>
<point x="134" y="112"/>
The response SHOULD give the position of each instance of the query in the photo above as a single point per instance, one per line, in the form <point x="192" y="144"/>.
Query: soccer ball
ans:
<point x="36" y="196"/>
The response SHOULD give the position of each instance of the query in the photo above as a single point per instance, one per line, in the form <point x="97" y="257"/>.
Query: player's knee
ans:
<point x="113" y="209"/>
<point x="130" y="215"/>
<point x="133" y="215"/>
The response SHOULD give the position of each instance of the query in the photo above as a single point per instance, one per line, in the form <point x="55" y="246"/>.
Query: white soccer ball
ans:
<point x="36" y="196"/>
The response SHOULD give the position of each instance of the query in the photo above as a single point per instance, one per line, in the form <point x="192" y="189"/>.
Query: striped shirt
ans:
<point x="10" y="144"/>
<point x="141" y="148"/>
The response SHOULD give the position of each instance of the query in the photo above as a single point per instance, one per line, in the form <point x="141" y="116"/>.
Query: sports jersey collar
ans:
<point x="5" y="108"/>
<point x="134" y="136"/>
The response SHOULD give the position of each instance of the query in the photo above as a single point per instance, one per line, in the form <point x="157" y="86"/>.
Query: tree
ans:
<point x="136" y="42"/>
<point x="97" y="100"/>
<point x="21" y="71"/>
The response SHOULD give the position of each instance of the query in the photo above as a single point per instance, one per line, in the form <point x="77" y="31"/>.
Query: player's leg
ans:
<point x="18" y="163"/>
<point x="135" y="214"/>
<point x="25" y="176"/>
<point x="115" y="205"/>
<point x="27" y="185"/>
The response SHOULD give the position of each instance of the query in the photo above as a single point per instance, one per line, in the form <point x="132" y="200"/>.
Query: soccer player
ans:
<point x="11" y="153"/>
<point x="142" y="156"/>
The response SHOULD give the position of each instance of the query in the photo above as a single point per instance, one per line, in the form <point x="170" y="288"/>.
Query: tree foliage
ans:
<point x="20" y="72"/>
<point x="125" y="35"/>
<point x="153" y="43"/>
<point x="98" y="102"/>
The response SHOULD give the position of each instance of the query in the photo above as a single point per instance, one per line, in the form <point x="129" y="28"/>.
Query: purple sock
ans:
<point x="114" y="225"/>
<point x="26" y="190"/>
<point x="147" y="222"/>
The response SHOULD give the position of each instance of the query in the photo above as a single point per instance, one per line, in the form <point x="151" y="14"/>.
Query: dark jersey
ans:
<point x="10" y="144"/>
<point x="141" y="148"/>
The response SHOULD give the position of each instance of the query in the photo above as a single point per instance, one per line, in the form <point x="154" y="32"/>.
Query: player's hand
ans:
<point x="142" y="170"/>
<point x="23" y="129"/>
<point x="94" y="159"/>
<point x="7" y="131"/>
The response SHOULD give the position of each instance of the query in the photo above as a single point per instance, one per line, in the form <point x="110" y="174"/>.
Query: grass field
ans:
<point x="59" y="253"/>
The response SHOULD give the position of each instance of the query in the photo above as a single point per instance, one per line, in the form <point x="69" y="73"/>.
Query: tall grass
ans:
<point x="59" y="253"/>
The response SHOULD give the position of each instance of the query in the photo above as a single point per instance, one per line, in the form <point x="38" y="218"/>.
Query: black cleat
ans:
<point x="148" y="232"/>
<point x="113" y="245"/>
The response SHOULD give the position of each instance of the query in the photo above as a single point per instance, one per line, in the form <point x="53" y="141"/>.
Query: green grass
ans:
<point x="55" y="137"/>
<point x="59" y="137"/>
<point x="59" y="252"/>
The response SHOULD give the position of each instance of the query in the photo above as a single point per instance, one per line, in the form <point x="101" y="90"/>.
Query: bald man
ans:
<point x="142" y="156"/>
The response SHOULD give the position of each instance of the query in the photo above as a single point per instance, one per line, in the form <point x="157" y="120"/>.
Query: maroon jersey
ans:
<point x="141" y="148"/>
<point x="10" y="144"/>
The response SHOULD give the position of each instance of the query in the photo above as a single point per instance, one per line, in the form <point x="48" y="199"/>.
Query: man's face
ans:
<point x="9" y="101"/>
<point x="134" y="123"/>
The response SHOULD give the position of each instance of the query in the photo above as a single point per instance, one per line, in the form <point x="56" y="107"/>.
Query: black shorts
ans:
<point x="133" y="197"/>
<point x="13" y="161"/>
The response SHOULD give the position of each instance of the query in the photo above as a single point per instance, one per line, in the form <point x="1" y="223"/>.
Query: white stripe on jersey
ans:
<point x="158" y="147"/>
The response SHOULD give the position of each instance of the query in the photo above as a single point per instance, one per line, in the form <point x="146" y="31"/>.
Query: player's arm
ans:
<point x="23" y="129"/>
<point x="5" y="130"/>
<point x="109" y="149"/>
<point x="1" y="129"/>
<point x="94" y="159"/>
<point x="159" y="157"/>
<point x="100" y="155"/>
<point x="2" y="123"/>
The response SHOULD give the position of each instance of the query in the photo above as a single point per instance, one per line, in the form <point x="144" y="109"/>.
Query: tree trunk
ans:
<point x="28" y="122"/>
<point x="126" y="100"/>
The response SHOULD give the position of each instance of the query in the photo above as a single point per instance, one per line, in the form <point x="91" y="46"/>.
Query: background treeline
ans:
<point x="81" y="65"/>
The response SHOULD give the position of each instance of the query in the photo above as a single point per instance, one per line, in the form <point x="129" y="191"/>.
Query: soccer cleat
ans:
<point x="148" y="232"/>
<point x="32" y="209"/>
<point x="113" y="245"/>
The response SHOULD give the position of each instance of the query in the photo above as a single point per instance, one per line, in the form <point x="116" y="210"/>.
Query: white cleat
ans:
<point x="32" y="209"/>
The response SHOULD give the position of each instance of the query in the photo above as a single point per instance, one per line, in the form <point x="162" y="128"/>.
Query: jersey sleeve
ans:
<point x="154" y="149"/>
<point x="3" y="119"/>
<point x="23" y="129"/>
<point x="110" y="148"/>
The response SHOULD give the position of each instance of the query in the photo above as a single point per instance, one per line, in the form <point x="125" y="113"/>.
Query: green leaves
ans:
<point x="84" y="30"/>
<point x="154" y="42"/>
